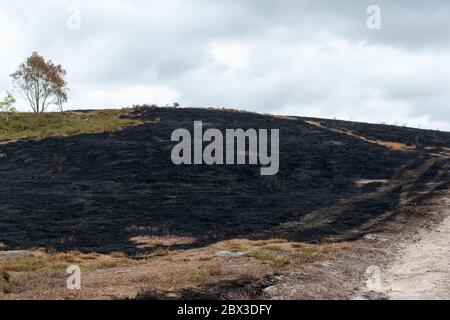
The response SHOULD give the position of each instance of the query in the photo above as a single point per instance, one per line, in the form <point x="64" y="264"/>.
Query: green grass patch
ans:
<point x="31" y="125"/>
<point x="237" y="246"/>
<point x="261" y="243"/>
<point x="28" y="262"/>
<point x="261" y="256"/>
<point x="273" y="247"/>
<point x="40" y="261"/>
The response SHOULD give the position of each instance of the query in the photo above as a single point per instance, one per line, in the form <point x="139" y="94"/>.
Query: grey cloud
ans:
<point x="168" y="44"/>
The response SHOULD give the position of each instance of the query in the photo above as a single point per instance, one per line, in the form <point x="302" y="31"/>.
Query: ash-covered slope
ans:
<point x="337" y="181"/>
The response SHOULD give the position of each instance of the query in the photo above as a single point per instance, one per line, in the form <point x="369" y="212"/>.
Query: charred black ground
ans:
<point x="118" y="185"/>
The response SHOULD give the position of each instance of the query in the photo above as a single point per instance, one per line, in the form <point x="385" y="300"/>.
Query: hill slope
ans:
<point x="118" y="186"/>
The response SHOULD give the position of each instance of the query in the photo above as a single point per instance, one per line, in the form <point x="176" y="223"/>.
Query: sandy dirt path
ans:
<point x="422" y="269"/>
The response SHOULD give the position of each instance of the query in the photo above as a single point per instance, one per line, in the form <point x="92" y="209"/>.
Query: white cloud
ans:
<point x="232" y="56"/>
<point x="328" y="78"/>
<point x="12" y="49"/>
<point x="118" y="97"/>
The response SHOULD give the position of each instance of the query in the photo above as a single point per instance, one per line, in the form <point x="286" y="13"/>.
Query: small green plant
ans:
<point x="273" y="247"/>
<point x="258" y="255"/>
<point x="7" y="107"/>
<point x="238" y="246"/>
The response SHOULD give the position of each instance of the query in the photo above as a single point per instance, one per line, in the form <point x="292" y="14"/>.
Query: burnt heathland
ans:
<point x="337" y="181"/>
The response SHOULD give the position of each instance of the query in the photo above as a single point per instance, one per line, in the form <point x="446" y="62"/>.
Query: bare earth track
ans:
<point x="422" y="270"/>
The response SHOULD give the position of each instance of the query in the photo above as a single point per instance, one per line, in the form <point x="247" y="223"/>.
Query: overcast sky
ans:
<point x="296" y="57"/>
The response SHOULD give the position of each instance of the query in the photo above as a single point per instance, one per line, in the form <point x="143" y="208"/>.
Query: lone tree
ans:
<point x="41" y="83"/>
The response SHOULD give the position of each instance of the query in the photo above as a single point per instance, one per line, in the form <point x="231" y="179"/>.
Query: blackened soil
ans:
<point x="119" y="185"/>
<point x="246" y="288"/>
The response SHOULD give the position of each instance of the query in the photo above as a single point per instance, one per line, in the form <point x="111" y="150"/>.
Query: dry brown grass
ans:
<point x="388" y="144"/>
<point x="391" y="145"/>
<point x="315" y="123"/>
<point x="156" y="241"/>
<point x="267" y="242"/>
<point x="163" y="252"/>
<point x="274" y="247"/>
<point x="42" y="274"/>
<point x="5" y="285"/>
<point x="236" y="245"/>
<point x="285" y="117"/>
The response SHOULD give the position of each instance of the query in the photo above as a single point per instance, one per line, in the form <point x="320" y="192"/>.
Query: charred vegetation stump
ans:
<point x="418" y="143"/>
<point x="57" y="163"/>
